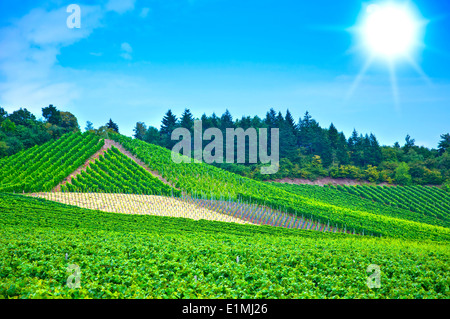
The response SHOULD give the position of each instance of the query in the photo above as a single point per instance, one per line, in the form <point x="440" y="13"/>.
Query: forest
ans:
<point x="310" y="151"/>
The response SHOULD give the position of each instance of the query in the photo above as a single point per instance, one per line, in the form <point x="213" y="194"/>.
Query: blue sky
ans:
<point x="131" y="60"/>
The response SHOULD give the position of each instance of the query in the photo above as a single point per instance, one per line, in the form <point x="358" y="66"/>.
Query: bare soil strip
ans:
<point x="106" y="147"/>
<point x="139" y="205"/>
<point x="325" y="181"/>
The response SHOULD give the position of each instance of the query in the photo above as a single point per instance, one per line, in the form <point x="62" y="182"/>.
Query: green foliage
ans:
<point x="43" y="167"/>
<point x="420" y="204"/>
<point x="424" y="201"/>
<point x="20" y="130"/>
<point x="139" y="131"/>
<point x="135" y="256"/>
<point x="201" y="178"/>
<point x="113" y="126"/>
<point x="402" y="176"/>
<point x="114" y="172"/>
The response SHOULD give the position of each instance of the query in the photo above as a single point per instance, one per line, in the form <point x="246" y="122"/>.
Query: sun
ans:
<point x="390" y="30"/>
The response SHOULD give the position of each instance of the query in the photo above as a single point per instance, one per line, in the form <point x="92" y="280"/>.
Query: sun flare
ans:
<point x="390" y="30"/>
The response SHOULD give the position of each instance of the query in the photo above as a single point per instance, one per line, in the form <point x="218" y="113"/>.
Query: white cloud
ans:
<point x="29" y="66"/>
<point x="144" y="12"/>
<point x="120" y="6"/>
<point x="126" y="47"/>
<point x="30" y="74"/>
<point x="126" y="51"/>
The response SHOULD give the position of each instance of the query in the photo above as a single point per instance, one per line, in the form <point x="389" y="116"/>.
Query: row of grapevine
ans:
<point x="42" y="168"/>
<point x="213" y="182"/>
<point x="263" y="215"/>
<point x="142" y="256"/>
<point x="114" y="172"/>
<point x="349" y="199"/>
<point x="427" y="201"/>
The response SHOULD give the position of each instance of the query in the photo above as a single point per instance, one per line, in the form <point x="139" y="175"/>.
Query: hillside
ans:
<point x="212" y="182"/>
<point x="135" y="256"/>
<point x="41" y="168"/>
<point x="114" y="172"/>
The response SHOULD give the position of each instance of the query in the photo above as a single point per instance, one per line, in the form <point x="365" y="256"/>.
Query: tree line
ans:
<point x="21" y="129"/>
<point x="310" y="151"/>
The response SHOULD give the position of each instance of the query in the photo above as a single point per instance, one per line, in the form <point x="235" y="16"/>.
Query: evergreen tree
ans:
<point x="113" y="126"/>
<point x="226" y="121"/>
<point x="333" y="136"/>
<point x="169" y="123"/>
<point x="215" y="121"/>
<point x="409" y="143"/>
<point x="271" y="118"/>
<point x="444" y="143"/>
<point x="187" y="120"/>
<point x="152" y="136"/>
<point x="342" y="150"/>
<point x="89" y="126"/>
<point x="3" y="114"/>
<point x="375" y="155"/>
<point x="288" y="138"/>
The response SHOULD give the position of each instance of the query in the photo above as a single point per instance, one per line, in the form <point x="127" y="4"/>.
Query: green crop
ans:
<point x="43" y="167"/>
<point x="135" y="256"/>
<point x="114" y="172"/>
<point x="212" y="182"/>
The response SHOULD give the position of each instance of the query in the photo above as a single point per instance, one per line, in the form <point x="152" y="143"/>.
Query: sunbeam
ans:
<point x="389" y="32"/>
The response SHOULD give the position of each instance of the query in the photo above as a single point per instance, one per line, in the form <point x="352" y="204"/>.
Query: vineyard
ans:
<point x="188" y="207"/>
<point x="345" y="196"/>
<point x="142" y="256"/>
<point x="142" y="226"/>
<point x="113" y="172"/>
<point x="208" y="182"/>
<point x="426" y="201"/>
<point x="139" y="205"/>
<point x="43" y="167"/>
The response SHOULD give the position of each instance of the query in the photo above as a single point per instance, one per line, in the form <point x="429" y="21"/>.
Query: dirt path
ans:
<point x="106" y="147"/>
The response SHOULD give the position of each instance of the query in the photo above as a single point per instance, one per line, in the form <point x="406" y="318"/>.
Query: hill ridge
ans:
<point x="107" y="146"/>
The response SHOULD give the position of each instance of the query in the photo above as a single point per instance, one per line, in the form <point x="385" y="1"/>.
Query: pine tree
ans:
<point x="288" y="136"/>
<point x="226" y="121"/>
<point x="333" y="136"/>
<point x="113" y="126"/>
<point x="169" y="123"/>
<point x="271" y="118"/>
<point x="409" y="143"/>
<point x="89" y="126"/>
<point x="187" y="120"/>
<point x="444" y="144"/>
<point x="152" y="136"/>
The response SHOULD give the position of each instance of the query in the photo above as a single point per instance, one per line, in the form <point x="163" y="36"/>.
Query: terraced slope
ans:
<point x="114" y="172"/>
<point x="136" y="256"/>
<point x="426" y="201"/>
<point x="213" y="182"/>
<point x="345" y="196"/>
<point x="41" y="168"/>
